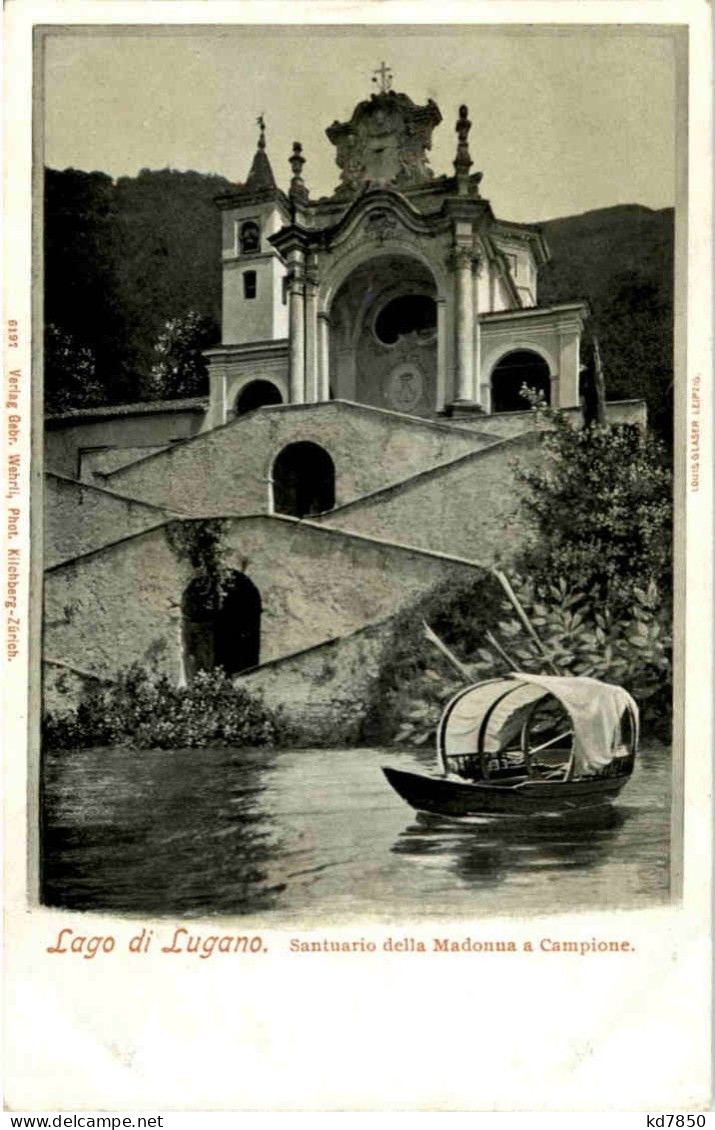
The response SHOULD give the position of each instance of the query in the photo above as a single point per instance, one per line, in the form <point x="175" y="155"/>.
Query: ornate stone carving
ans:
<point x="381" y="224"/>
<point x="405" y="387"/>
<point x="461" y="256"/>
<point x="298" y="191"/>
<point x="385" y="142"/>
<point x="463" y="161"/>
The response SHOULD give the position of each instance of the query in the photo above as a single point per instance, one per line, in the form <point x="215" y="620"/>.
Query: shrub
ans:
<point x="581" y="637"/>
<point x="577" y="633"/>
<point x="598" y="512"/>
<point x="145" y="710"/>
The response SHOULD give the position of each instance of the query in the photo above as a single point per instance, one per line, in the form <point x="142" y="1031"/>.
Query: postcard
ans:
<point x="358" y="556"/>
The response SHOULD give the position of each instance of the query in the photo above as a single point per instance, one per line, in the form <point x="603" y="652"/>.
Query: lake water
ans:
<point x="318" y="835"/>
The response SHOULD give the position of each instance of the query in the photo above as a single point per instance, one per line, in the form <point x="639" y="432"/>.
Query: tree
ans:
<point x="82" y="246"/>
<point x="179" y="367"/>
<point x="594" y="575"/>
<point x="122" y="257"/>
<point x="598" y="510"/>
<point x="635" y="329"/>
<point x="69" y="372"/>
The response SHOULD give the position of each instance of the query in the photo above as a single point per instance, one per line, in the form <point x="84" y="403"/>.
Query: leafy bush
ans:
<point x="145" y="710"/>
<point x="582" y="637"/>
<point x="598" y="512"/>
<point x="578" y="634"/>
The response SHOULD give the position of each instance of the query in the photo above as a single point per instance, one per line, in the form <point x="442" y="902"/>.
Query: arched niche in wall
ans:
<point x="512" y="371"/>
<point x="249" y="237"/>
<point x="256" y="394"/>
<point x="221" y="625"/>
<point x="303" y="480"/>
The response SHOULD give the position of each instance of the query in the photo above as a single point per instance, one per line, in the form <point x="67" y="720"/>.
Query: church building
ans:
<point x="401" y="290"/>
<point x="358" y="442"/>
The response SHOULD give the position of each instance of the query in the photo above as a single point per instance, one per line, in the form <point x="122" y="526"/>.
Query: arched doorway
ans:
<point x="521" y="367"/>
<point x="383" y="335"/>
<point x="303" y="480"/>
<point x="221" y="624"/>
<point x="256" y="394"/>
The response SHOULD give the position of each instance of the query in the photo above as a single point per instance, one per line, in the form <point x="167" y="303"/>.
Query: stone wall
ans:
<point x="80" y="518"/>
<point x="627" y="412"/>
<point x="142" y="426"/>
<point x="227" y="471"/>
<point x="104" y="460"/>
<point x="468" y="509"/>
<point x="322" y="692"/>
<point x="117" y="606"/>
<point x="122" y="604"/>
<point x="63" y="687"/>
<point x="503" y="425"/>
<point x="507" y="424"/>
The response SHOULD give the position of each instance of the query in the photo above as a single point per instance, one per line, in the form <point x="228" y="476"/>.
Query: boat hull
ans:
<point x="446" y="797"/>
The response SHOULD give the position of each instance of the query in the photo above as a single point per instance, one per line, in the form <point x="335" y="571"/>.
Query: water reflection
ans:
<point x="320" y="833"/>
<point x="170" y="837"/>
<point x="485" y="851"/>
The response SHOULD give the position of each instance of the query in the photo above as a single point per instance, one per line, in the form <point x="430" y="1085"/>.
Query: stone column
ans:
<point x="323" y="356"/>
<point x="476" y="334"/>
<point x="312" y="391"/>
<point x="464" y="311"/>
<point x="441" y="354"/>
<point x="296" y="328"/>
<point x="566" y="392"/>
<point x="218" y="406"/>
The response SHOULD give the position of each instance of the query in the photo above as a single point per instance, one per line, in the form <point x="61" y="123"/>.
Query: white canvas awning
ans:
<point x="495" y="711"/>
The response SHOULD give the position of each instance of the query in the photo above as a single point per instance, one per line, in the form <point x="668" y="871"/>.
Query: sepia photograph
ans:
<point x="358" y="598"/>
<point x="358" y="391"/>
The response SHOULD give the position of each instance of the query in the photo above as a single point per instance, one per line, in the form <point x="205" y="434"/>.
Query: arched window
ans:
<point x="255" y="394"/>
<point x="250" y="237"/>
<point x="303" y="480"/>
<point x="522" y="367"/>
<point x="221" y="624"/>
<point x="409" y="313"/>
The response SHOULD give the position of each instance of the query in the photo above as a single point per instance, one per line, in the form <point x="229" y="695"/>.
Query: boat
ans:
<point x="527" y="744"/>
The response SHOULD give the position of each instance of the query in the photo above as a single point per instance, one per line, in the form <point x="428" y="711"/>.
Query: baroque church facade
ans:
<point x="401" y="290"/>
<point x="358" y="442"/>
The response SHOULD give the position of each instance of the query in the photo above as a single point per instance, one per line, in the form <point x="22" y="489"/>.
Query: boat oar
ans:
<point x="447" y="653"/>
<point x="491" y="638"/>
<point x="552" y="741"/>
<point x="503" y="581"/>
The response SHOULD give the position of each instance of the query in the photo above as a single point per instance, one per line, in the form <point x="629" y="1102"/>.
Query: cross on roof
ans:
<point x="385" y="78"/>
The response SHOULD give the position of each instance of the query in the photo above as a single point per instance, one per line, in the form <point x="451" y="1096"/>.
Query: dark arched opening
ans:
<point x="522" y="367"/>
<point x="409" y="313"/>
<point x="303" y="480"/>
<point x="256" y="394"/>
<point x="221" y="624"/>
<point x="250" y="238"/>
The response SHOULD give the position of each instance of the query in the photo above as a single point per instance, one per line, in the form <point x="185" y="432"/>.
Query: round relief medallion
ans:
<point x="405" y="386"/>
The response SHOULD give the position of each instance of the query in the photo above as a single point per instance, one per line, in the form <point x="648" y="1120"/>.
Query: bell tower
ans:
<point x="253" y="290"/>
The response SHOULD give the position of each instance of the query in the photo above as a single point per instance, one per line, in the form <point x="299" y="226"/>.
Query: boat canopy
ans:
<point x="485" y="717"/>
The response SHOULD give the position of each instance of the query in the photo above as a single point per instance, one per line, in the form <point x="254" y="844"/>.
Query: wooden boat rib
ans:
<point x="527" y="743"/>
